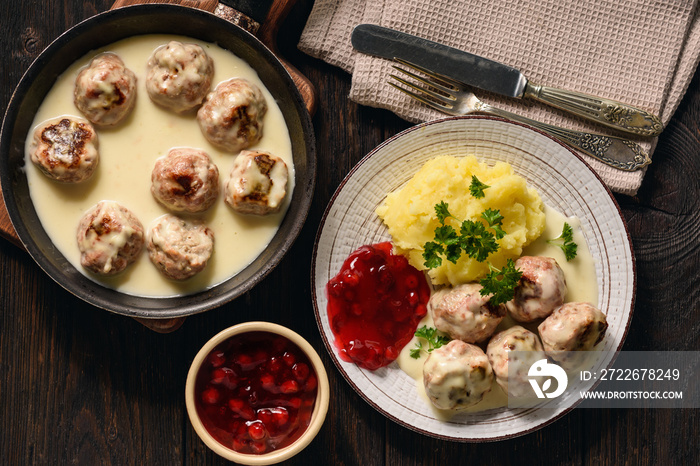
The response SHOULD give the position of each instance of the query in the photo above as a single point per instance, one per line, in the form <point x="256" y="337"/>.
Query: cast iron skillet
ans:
<point x="104" y="29"/>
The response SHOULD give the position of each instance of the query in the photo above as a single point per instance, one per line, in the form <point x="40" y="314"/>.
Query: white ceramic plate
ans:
<point x="564" y="182"/>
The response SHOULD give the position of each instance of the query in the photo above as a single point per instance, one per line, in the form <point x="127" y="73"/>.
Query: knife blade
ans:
<point x="499" y="78"/>
<point x="451" y="62"/>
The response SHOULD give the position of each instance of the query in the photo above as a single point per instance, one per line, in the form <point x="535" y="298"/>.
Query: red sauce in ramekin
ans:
<point x="255" y="392"/>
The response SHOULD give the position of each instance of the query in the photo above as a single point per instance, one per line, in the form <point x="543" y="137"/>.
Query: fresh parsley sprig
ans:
<point x="500" y="284"/>
<point x="442" y="211"/>
<point x="476" y="188"/>
<point x="476" y="240"/>
<point x="495" y="220"/>
<point x="566" y="242"/>
<point x="473" y="238"/>
<point x="433" y="339"/>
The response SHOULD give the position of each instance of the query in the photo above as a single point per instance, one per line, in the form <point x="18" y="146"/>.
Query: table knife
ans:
<point x="492" y="76"/>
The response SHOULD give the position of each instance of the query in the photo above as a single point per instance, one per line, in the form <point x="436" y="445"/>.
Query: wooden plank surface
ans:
<point x="82" y="386"/>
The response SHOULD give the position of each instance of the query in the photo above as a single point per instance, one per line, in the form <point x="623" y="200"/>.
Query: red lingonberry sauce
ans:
<point x="255" y="392"/>
<point x="374" y="305"/>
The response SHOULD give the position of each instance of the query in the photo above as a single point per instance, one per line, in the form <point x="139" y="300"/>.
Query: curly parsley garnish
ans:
<point x="501" y="283"/>
<point x="477" y="241"/>
<point x="473" y="238"/>
<point x="442" y="212"/>
<point x="495" y="221"/>
<point x="431" y="336"/>
<point x="566" y="242"/>
<point x="476" y="188"/>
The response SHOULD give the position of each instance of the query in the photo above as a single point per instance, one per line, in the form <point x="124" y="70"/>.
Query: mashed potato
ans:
<point x="409" y="213"/>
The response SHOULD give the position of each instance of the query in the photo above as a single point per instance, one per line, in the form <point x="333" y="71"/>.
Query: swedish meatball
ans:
<point x="572" y="327"/>
<point x="110" y="237"/>
<point x="185" y="180"/>
<point x="178" y="76"/>
<point x="541" y="289"/>
<point x="257" y="183"/>
<point x="464" y="314"/>
<point x="65" y="149"/>
<point x="457" y="375"/>
<point x="105" y="91"/>
<point x="231" y="117"/>
<point x="511" y="370"/>
<point x="179" y="248"/>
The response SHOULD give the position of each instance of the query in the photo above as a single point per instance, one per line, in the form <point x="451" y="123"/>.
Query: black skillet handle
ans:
<point x="248" y="14"/>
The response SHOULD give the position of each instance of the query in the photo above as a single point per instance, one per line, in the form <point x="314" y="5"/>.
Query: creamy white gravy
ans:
<point x="127" y="155"/>
<point x="582" y="286"/>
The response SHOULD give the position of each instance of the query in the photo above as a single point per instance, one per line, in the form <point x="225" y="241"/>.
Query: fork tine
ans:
<point x="427" y="82"/>
<point x="420" y="98"/>
<point x="455" y="84"/>
<point x="439" y="98"/>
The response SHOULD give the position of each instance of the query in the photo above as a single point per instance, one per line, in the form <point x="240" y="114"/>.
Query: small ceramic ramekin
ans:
<point x="317" y="417"/>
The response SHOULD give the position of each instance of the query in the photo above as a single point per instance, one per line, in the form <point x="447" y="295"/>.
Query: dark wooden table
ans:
<point x="82" y="386"/>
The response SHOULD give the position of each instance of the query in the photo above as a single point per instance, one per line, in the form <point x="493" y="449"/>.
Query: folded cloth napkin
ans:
<point x="641" y="52"/>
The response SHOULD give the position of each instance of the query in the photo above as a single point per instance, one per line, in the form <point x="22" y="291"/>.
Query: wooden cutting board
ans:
<point x="267" y="33"/>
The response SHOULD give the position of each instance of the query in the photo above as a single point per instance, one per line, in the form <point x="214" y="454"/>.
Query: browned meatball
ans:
<point x="65" y="149"/>
<point x="541" y="289"/>
<point x="179" y="248"/>
<point x="232" y="115"/>
<point x="179" y="76"/>
<point x="572" y="327"/>
<point x="185" y="180"/>
<point x="257" y="183"/>
<point x="105" y="91"/>
<point x="457" y="375"/>
<point x="511" y="353"/>
<point x="464" y="314"/>
<point x="110" y="237"/>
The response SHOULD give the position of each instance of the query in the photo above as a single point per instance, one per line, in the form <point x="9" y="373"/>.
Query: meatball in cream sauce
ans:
<point x="110" y="237"/>
<point x="65" y="149"/>
<point x="257" y="183"/>
<point x="179" y="248"/>
<point x="179" y="76"/>
<point x="457" y="375"/>
<point x="511" y="370"/>
<point x="231" y="118"/>
<point x="541" y="289"/>
<point x="185" y="180"/>
<point x="105" y="91"/>
<point x="464" y="314"/>
<point x="572" y="327"/>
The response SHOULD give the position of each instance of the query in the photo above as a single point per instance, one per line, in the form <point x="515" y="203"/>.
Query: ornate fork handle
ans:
<point x="617" y="152"/>
<point x="606" y="111"/>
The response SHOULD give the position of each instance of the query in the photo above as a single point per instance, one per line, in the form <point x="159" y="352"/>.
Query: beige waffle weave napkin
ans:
<point x="642" y="52"/>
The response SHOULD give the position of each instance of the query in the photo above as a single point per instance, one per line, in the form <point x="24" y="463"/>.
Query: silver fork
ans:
<point x="453" y="98"/>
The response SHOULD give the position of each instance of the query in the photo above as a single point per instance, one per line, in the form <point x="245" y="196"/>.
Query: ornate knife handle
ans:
<point x="608" y="112"/>
<point x="616" y="152"/>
